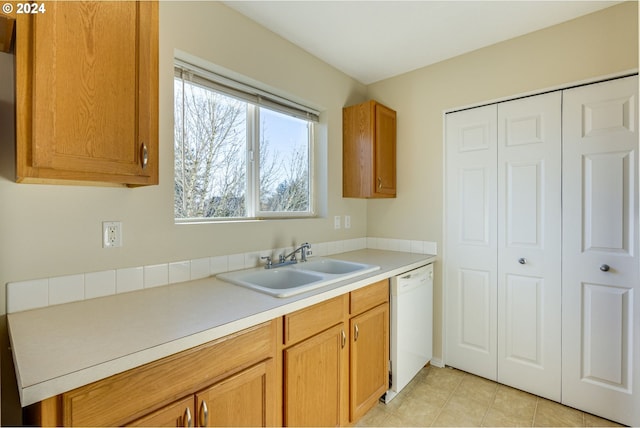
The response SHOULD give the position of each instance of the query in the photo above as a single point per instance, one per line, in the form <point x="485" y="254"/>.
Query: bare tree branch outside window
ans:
<point x="212" y="148"/>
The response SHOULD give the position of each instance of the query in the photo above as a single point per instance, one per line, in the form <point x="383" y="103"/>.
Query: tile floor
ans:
<point x="451" y="398"/>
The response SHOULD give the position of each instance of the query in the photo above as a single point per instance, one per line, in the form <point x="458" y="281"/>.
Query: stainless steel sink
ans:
<point x="298" y="278"/>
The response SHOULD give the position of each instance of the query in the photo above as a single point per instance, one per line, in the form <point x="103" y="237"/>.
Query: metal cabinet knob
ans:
<point x="604" y="268"/>
<point x="522" y="260"/>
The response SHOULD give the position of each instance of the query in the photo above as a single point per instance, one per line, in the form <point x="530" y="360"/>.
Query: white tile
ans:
<point x="98" y="284"/>
<point x="252" y="259"/>
<point x="218" y="264"/>
<point x="129" y="279"/>
<point x="65" y="289"/>
<point x="417" y="247"/>
<point x="236" y="262"/>
<point x="25" y="295"/>
<point x="361" y="243"/>
<point x="200" y="268"/>
<point x="372" y="243"/>
<point x="402" y="245"/>
<point x="319" y="249"/>
<point x="335" y="247"/>
<point x="431" y="247"/>
<point x="156" y="275"/>
<point x="384" y="244"/>
<point x="179" y="271"/>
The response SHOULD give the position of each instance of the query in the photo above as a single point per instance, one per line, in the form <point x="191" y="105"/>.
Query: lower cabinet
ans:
<point x="241" y="401"/>
<point x="202" y="386"/>
<point x="338" y="369"/>
<point x="324" y="365"/>
<point x="315" y="370"/>
<point x="369" y="365"/>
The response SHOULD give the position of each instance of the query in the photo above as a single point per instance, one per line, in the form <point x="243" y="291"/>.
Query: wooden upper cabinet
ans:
<point x="87" y="93"/>
<point x="7" y="23"/>
<point x="368" y="151"/>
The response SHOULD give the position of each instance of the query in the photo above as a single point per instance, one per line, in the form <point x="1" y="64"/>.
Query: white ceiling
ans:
<point x="374" y="40"/>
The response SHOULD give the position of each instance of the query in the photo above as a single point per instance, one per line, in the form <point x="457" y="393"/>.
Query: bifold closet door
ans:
<point x="529" y="244"/>
<point x="601" y="266"/>
<point x="471" y="240"/>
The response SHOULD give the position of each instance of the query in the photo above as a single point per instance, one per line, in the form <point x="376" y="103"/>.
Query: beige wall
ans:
<point x="55" y="230"/>
<point x="591" y="46"/>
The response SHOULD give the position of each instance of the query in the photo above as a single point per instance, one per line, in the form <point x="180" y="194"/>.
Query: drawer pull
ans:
<point x="144" y="155"/>
<point x="187" y="421"/>
<point x="204" y="414"/>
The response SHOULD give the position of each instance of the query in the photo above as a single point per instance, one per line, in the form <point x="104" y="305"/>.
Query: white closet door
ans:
<point x="601" y="266"/>
<point x="529" y="244"/>
<point x="470" y="244"/>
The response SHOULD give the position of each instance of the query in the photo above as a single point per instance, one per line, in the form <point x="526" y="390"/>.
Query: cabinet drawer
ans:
<point x="308" y="321"/>
<point x="124" y="397"/>
<point x="369" y="296"/>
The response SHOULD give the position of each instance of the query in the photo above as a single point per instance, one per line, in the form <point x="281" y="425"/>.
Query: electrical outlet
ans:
<point x="347" y="222"/>
<point x="111" y="234"/>
<point x="336" y="222"/>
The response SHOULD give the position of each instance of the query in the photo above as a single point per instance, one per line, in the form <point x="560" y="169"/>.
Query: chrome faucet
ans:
<point x="304" y="249"/>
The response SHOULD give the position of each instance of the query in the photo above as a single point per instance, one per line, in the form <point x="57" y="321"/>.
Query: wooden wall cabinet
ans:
<point x="87" y="93"/>
<point x="227" y="382"/>
<point x="7" y="24"/>
<point x="368" y="151"/>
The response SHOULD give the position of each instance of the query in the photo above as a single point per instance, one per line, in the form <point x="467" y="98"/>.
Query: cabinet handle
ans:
<point x="186" y="418"/>
<point x="144" y="155"/>
<point x="344" y="339"/>
<point x="379" y="182"/>
<point x="605" y="268"/>
<point x="356" y="333"/>
<point x="204" y="414"/>
<point x="522" y="260"/>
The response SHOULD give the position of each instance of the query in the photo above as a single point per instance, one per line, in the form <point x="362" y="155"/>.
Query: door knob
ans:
<point x="522" y="260"/>
<point x="604" y="268"/>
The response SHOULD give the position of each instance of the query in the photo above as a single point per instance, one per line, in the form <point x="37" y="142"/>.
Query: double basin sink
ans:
<point x="297" y="278"/>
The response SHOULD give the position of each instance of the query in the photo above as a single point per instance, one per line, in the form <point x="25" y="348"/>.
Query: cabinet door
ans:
<point x="369" y="359"/>
<point x="91" y="82"/>
<point x="601" y="262"/>
<point x="385" y="151"/>
<point x="178" y="414"/>
<point x="471" y="241"/>
<point x="315" y="380"/>
<point x="244" y="399"/>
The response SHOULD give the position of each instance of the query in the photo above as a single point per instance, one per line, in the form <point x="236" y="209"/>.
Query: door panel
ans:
<point x="529" y="243"/>
<point x="600" y="230"/>
<point x="470" y="245"/>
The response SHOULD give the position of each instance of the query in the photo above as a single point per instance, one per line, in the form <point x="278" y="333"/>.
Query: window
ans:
<point x="239" y="152"/>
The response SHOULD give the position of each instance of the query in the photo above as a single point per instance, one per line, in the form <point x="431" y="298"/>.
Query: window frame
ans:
<point x="256" y="99"/>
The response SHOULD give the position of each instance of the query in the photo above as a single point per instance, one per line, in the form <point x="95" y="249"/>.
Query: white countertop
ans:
<point x="59" y="348"/>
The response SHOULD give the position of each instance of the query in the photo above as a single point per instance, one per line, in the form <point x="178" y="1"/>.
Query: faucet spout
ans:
<point x="304" y="249"/>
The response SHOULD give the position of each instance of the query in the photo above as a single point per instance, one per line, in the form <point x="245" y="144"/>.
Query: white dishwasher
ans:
<point x="411" y="332"/>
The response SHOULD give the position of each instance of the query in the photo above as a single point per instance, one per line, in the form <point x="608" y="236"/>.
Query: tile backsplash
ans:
<point x="38" y="293"/>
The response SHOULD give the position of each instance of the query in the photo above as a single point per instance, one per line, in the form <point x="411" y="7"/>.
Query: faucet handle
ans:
<point x="268" y="262"/>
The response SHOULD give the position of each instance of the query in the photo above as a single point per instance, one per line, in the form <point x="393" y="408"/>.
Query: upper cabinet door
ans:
<point x="368" y="151"/>
<point x="385" y="151"/>
<point x="87" y="86"/>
